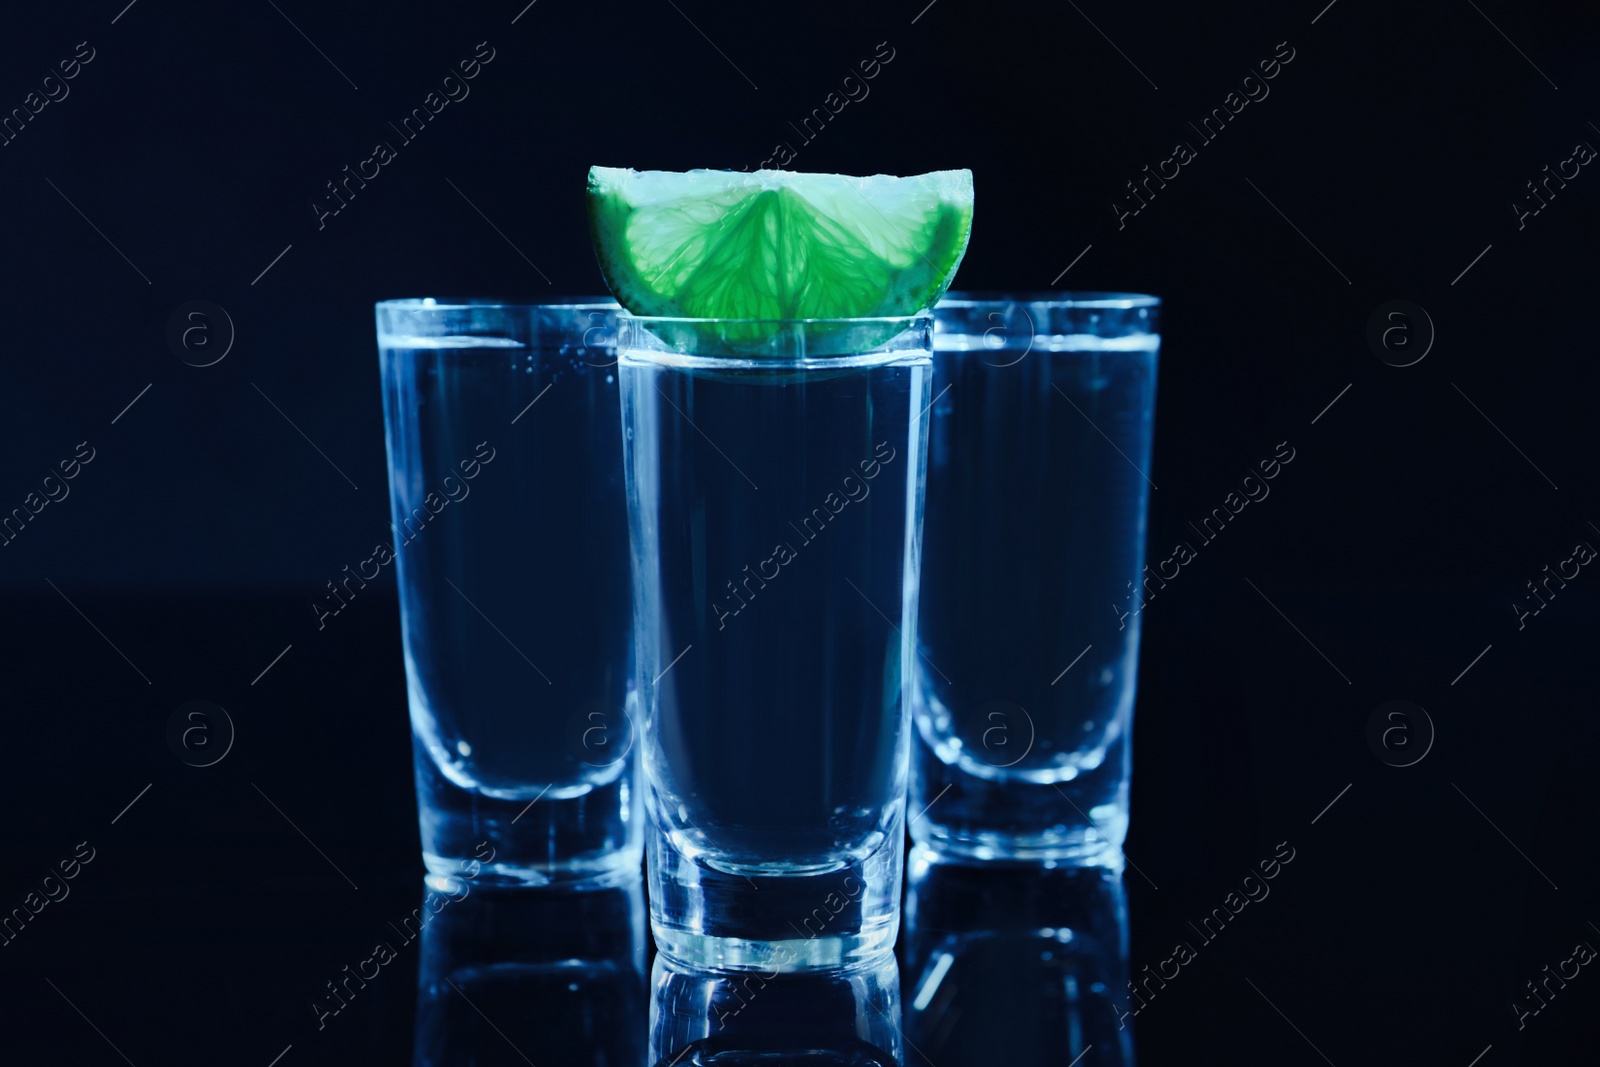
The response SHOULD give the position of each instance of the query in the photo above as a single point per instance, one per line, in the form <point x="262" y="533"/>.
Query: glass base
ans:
<point x="1081" y="822"/>
<point x="581" y="842"/>
<point x="447" y="875"/>
<point x="709" y="919"/>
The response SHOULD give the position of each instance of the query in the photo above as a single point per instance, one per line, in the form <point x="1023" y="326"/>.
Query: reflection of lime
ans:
<point x="778" y="245"/>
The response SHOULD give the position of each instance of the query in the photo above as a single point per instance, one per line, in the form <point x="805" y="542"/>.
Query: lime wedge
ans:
<point x="775" y="244"/>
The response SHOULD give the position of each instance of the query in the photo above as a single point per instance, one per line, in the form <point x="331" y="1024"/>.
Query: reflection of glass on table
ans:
<point x="550" y="976"/>
<point x="1026" y="959"/>
<point x="848" y="1015"/>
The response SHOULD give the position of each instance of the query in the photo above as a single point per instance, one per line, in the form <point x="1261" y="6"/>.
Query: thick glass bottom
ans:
<point x="587" y="841"/>
<point x="709" y="919"/>
<point x="1079" y="822"/>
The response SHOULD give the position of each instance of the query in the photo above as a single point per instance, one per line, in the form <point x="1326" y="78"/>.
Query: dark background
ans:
<point x="1388" y="556"/>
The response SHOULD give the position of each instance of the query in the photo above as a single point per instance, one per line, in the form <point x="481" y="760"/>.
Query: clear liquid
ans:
<point x="1034" y="539"/>
<point x="515" y="598"/>
<point x="781" y="514"/>
<point x="777" y="514"/>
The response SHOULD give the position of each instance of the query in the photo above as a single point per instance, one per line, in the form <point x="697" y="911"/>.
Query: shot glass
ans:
<point x="509" y="541"/>
<point x="1032" y="577"/>
<point x="775" y="475"/>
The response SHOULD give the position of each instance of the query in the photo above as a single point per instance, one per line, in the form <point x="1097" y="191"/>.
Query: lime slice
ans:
<point x="774" y="244"/>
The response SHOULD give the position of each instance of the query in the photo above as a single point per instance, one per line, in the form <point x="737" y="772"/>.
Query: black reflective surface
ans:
<point x="211" y="908"/>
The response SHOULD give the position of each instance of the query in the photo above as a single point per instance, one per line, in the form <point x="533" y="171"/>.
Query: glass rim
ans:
<point x="429" y="303"/>
<point x="1066" y="298"/>
<point x="866" y="320"/>
<point x="812" y="343"/>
